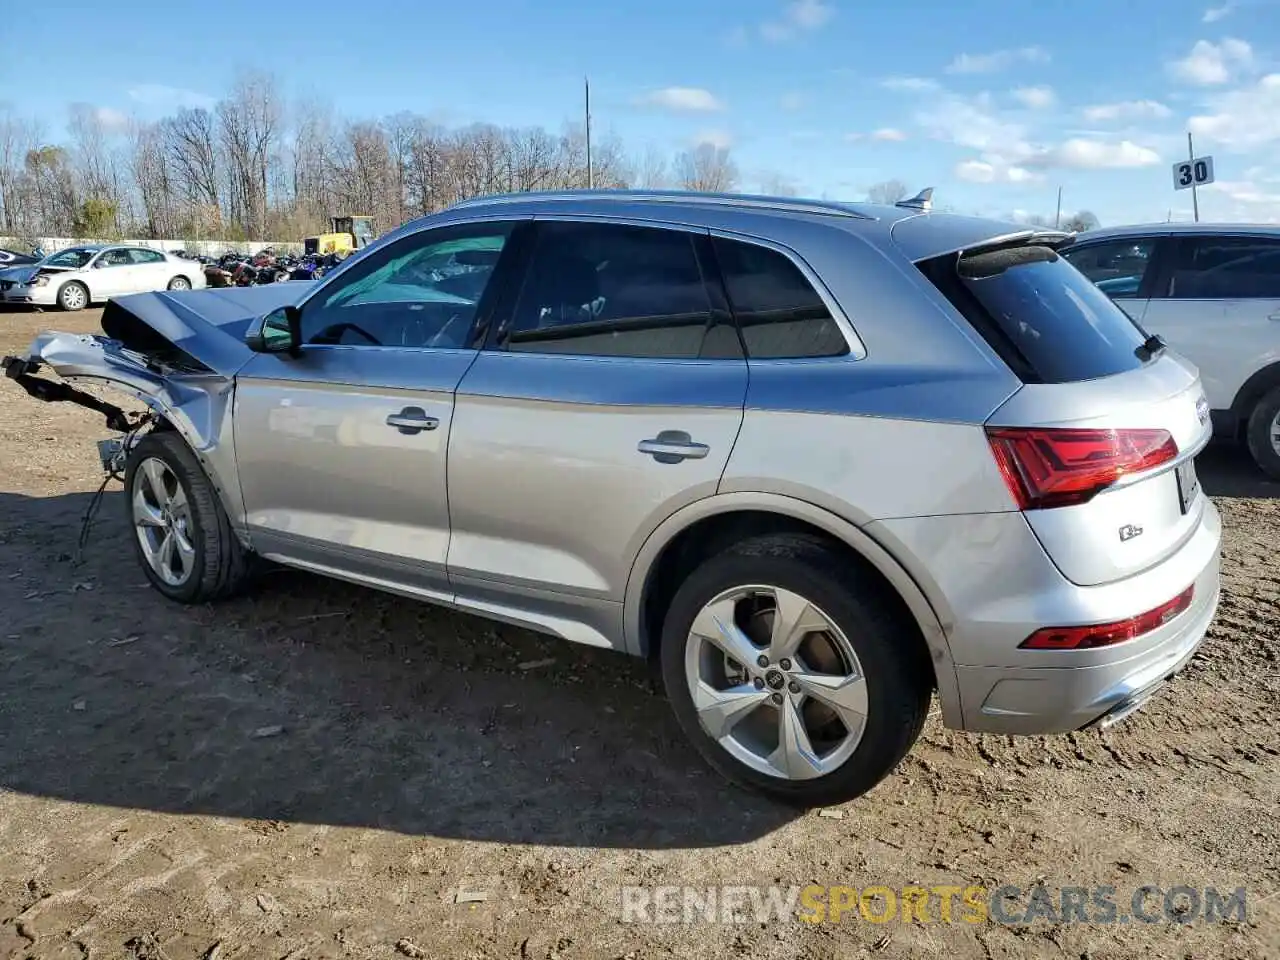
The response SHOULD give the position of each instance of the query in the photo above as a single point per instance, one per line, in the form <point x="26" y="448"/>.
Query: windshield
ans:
<point x="75" y="257"/>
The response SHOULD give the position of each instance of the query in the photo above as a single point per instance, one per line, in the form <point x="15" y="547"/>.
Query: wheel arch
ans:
<point x="703" y="525"/>
<point x="1253" y="390"/>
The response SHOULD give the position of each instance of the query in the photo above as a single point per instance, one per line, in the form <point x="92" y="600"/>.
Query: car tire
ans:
<point x="73" y="295"/>
<point x="179" y="283"/>
<point x="1262" y="433"/>
<point x="888" y="655"/>
<point x="168" y="493"/>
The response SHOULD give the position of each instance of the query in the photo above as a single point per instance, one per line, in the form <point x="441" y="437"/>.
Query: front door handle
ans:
<point x="1275" y="316"/>
<point x="412" y="420"/>
<point x="672" y="446"/>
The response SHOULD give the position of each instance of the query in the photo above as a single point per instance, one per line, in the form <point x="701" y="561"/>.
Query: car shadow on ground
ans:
<point x="316" y="701"/>
<point x="1226" y="470"/>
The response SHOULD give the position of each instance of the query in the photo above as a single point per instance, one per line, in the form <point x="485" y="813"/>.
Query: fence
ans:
<point x="212" y="248"/>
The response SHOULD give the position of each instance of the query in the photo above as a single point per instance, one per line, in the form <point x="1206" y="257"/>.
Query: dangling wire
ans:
<point x="86" y="522"/>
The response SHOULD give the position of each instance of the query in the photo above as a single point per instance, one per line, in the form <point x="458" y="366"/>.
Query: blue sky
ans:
<point x="995" y="103"/>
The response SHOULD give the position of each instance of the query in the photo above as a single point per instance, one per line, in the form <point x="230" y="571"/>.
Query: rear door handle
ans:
<point x="1275" y="316"/>
<point x="412" y="420"/>
<point x="672" y="446"/>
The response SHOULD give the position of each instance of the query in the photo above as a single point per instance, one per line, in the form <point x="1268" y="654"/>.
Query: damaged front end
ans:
<point x="176" y="353"/>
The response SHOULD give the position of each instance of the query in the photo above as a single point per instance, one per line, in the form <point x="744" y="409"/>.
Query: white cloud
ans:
<point x="1081" y="154"/>
<point x="165" y="97"/>
<point x="979" y="171"/>
<point x="1209" y="64"/>
<point x="1008" y="151"/>
<point x="1247" y="200"/>
<point x="1244" y="118"/>
<point x="112" y="121"/>
<point x="682" y="100"/>
<point x="997" y="60"/>
<point x="910" y="84"/>
<point x="1126" y="110"/>
<point x="799" y="16"/>
<point x="1214" y="14"/>
<point x="1035" y="98"/>
<point x="969" y="122"/>
<point x="720" y="139"/>
<point x="889" y="135"/>
<point x="791" y="102"/>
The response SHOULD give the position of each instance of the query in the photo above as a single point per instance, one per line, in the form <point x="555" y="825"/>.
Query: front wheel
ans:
<point x="73" y="296"/>
<point x="789" y="673"/>
<point x="182" y="535"/>
<point x="1263" y="434"/>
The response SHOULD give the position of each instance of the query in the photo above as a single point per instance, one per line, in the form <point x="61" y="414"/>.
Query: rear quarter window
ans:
<point x="1041" y="315"/>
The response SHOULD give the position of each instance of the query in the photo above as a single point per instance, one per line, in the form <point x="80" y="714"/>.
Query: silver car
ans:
<point x="814" y="460"/>
<point x="76" y="277"/>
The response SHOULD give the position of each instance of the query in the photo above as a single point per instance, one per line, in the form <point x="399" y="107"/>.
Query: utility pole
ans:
<point x="591" y="180"/>
<point x="1057" y="217"/>
<point x="1195" y="200"/>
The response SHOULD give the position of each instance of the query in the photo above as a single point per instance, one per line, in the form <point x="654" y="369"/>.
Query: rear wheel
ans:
<point x="179" y="283"/>
<point x="182" y="536"/>
<point x="73" y="295"/>
<point x="1263" y="433"/>
<point x="789" y="673"/>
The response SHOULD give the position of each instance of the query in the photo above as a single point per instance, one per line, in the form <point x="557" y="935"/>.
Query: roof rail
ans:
<point x="922" y="201"/>
<point x="693" y="198"/>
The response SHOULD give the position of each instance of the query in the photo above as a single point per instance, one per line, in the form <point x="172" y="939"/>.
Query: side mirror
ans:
<point x="278" y="332"/>
<point x="99" y="264"/>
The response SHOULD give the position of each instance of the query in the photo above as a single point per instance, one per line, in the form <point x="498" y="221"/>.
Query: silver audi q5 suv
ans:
<point x="815" y="460"/>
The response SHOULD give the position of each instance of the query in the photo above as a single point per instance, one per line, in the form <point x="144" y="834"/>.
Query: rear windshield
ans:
<point x="1044" y="318"/>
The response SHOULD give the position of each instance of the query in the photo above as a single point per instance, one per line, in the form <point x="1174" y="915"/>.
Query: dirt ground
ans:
<point x="319" y="770"/>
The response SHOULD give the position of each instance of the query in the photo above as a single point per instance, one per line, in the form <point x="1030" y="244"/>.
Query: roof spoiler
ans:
<point x="922" y="201"/>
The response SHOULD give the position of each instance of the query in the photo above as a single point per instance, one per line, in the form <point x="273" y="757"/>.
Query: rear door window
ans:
<point x="612" y="290"/>
<point x="780" y="314"/>
<point x="1043" y="317"/>
<point x="1118" y="267"/>
<point x="1226" y="268"/>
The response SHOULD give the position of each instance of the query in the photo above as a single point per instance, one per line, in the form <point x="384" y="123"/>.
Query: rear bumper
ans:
<point x="1040" y="700"/>
<point x="995" y="587"/>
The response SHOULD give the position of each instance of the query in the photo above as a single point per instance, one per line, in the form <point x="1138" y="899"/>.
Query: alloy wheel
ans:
<point x="162" y="521"/>
<point x="1274" y="431"/>
<point x="73" y="298"/>
<point x="775" y="682"/>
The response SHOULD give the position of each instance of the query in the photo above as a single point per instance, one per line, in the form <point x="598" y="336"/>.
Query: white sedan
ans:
<point x="78" y="276"/>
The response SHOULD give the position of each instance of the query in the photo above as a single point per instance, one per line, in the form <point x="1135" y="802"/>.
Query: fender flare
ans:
<point x="921" y="608"/>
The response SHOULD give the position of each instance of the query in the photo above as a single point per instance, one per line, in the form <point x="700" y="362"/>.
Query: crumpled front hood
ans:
<point x="205" y="325"/>
<point x="18" y="274"/>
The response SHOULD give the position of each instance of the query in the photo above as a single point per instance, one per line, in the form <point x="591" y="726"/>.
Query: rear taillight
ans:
<point x="1108" y="634"/>
<point x="1059" y="467"/>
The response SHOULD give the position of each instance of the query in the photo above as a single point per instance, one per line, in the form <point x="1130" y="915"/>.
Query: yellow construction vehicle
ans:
<point x="346" y="235"/>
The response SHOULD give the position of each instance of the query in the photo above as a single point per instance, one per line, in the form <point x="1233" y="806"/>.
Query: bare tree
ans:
<point x="153" y="176"/>
<point x="778" y="185"/>
<point x="1080" y="222"/>
<point x="887" y="192"/>
<point x="53" y="189"/>
<point x="363" y="172"/>
<point x="17" y="138"/>
<point x="653" y="172"/>
<point x="249" y="121"/>
<point x="707" y="168"/>
<point x="91" y="155"/>
<point x="191" y="142"/>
